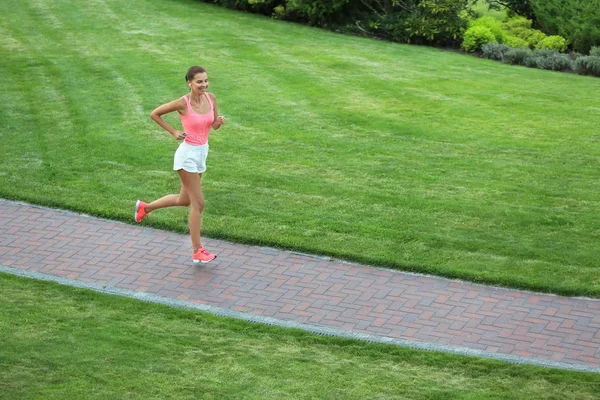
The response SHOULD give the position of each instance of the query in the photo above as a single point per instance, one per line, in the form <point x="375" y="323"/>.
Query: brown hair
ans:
<point x="193" y="71"/>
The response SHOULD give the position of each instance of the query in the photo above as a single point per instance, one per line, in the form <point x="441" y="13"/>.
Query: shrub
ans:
<point x="531" y="36"/>
<point x="580" y="65"/>
<point x="550" y="60"/>
<point x="433" y="21"/>
<point x="494" y="51"/>
<point x="534" y="37"/>
<point x="556" y="62"/>
<point x="587" y="65"/>
<point x="318" y="13"/>
<point x="440" y="22"/>
<point x="531" y="60"/>
<point x="578" y="21"/>
<point x="595" y="51"/>
<point x="544" y="53"/>
<point x="477" y="36"/>
<point x="520" y="27"/>
<point x="493" y="25"/>
<point x="593" y="64"/>
<point x="517" y="56"/>
<point x="537" y="59"/>
<point x="279" y="12"/>
<point x="518" y="22"/>
<point x="555" y="42"/>
<point x="515" y="42"/>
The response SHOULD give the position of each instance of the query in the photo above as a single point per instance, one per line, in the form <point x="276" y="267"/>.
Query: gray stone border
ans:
<point x="317" y="329"/>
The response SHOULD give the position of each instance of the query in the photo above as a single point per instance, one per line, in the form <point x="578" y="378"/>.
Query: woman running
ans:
<point x="198" y="112"/>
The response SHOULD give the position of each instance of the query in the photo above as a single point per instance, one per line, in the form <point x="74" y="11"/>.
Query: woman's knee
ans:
<point x="198" y="205"/>
<point x="183" y="201"/>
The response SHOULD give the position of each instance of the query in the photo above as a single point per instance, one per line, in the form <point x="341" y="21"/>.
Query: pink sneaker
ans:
<point x="140" y="211"/>
<point x="203" y="256"/>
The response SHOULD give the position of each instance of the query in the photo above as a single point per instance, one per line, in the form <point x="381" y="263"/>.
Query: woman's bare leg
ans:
<point x="170" y="200"/>
<point x="191" y="183"/>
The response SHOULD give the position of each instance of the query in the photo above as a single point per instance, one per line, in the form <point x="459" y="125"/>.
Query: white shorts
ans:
<point x="191" y="158"/>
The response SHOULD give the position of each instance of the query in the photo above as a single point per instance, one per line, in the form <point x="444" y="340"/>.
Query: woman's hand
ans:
<point x="220" y="121"/>
<point x="178" y="135"/>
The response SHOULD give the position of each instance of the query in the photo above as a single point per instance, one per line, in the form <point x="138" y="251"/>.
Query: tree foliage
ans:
<point x="423" y="21"/>
<point x="576" y="20"/>
<point x="517" y="7"/>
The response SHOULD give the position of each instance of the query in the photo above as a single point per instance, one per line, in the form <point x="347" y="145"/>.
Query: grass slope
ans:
<point x="394" y="155"/>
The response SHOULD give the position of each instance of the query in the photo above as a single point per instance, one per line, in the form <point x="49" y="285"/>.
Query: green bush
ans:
<point x="578" y="21"/>
<point x="574" y="55"/>
<point x="320" y="12"/>
<point x="520" y="27"/>
<point x="517" y="56"/>
<point x="595" y="51"/>
<point x="531" y="36"/>
<point x="587" y="65"/>
<point x="439" y="22"/>
<point x="433" y="21"/>
<point x="518" y="22"/>
<point x="554" y="42"/>
<point x="556" y="62"/>
<point x="492" y="24"/>
<point x="494" y="51"/>
<point x="515" y="42"/>
<point x="537" y="58"/>
<point x="580" y="65"/>
<point x="477" y="36"/>
<point x="545" y="53"/>
<point x="279" y="12"/>
<point x="549" y="59"/>
<point x="531" y="61"/>
<point x="534" y="37"/>
<point x="593" y="64"/>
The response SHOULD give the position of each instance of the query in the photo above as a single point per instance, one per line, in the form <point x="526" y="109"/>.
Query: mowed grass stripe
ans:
<point x="387" y="154"/>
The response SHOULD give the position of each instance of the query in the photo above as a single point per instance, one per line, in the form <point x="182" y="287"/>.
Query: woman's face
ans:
<point x="200" y="83"/>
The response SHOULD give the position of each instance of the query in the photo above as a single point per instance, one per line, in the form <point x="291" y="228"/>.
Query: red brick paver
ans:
<point x="303" y="288"/>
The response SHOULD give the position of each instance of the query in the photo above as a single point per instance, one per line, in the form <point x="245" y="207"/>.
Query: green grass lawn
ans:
<point x="401" y="156"/>
<point x="59" y="342"/>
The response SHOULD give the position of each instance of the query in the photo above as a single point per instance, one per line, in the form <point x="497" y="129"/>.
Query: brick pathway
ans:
<point x="302" y="288"/>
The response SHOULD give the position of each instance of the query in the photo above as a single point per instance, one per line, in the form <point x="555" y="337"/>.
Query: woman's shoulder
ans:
<point x="184" y="100"/>
<point x="181" y="103"/>
<point x="212" y="96"/>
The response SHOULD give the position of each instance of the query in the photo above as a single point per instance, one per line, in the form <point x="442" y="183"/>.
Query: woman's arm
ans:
<point x="219" y="120"/>
<point x="156" y="115"/>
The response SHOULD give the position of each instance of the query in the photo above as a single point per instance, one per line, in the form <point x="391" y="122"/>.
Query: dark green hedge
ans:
<point x="578" y="21"/>
<point x="435" y="22"/>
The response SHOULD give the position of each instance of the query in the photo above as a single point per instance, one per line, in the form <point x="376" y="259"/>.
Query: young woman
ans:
<point x="198" y="112"/>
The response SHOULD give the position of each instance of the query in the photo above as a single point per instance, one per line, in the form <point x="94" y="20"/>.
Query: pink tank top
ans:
<point x="197" y="126"/>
